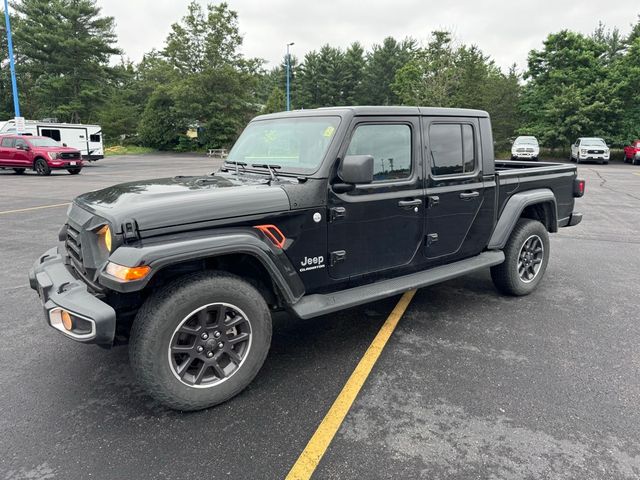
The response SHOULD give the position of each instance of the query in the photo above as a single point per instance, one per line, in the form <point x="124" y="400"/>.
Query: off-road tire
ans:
<point x="160" y="317"/>
<point x="19" y="171"/>
<point x="41" y="167"/>
<point x="506" y="276"/>
<point x="74" y="171"/>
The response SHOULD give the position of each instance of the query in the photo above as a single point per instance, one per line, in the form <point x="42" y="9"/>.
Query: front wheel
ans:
<point x="41" y="167"/>
<point x="200" y="341"/>
<point x="526" y="258"/>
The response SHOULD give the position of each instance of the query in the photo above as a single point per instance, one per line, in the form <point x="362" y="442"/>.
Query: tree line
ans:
<point x="576" y="85"/>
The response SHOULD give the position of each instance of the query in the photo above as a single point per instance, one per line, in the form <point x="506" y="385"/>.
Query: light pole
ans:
<point x="12" y="65"/>
<point x="288" y="70"/>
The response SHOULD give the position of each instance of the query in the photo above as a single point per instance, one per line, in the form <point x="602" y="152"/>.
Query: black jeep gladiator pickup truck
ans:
<point x="313" y="211"/>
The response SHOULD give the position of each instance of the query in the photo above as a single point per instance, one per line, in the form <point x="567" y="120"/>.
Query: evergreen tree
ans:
<point x="65" y="47"/>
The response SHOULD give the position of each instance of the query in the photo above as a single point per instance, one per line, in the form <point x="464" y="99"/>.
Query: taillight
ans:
<point x="578" y="187"/>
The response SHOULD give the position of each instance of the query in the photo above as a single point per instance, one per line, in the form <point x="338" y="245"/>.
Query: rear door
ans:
<point x="6" y="150"/>
<point x="379" y="226"/>
<point x="455" y="188"/>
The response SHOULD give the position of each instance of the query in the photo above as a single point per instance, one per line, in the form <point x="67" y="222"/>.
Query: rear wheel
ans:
<point x="74" y="171"/>
<point x="19" y="171"/>
<point x="41" y="167"/>
<point x="526" y="258"/>
<point x="200" y="341"/>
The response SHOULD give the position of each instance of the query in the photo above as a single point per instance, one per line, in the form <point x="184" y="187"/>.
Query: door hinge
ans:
<point x="337" y="257"/>
<point x="337" y="212"/>
<point x="433" y="201"/>
<point x="432" y="238"/>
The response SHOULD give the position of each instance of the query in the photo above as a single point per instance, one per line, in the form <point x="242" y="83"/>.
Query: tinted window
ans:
<point x="51" y="133"/>
<point x="452" y="148"/>
<point x="7" y="142"/>
<point x="94" y="138"/>
<point x="20" y="143"/>
<point x="390" y="147"/>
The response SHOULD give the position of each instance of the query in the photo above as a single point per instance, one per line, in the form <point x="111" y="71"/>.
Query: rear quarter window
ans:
<point x="7" y="142"/>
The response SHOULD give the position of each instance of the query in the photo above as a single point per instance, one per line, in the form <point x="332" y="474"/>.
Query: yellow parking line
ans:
<point x="317" y="446"/>
<point x="636" y="173"/>
<point x="35" y="208"/>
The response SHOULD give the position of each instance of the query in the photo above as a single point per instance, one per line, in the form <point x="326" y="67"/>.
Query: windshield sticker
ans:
<point x="329" y="131"/>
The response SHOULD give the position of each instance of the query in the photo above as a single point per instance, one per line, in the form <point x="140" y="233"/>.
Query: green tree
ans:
<point x="64" y="47"/>
<point x="379" y="73"/>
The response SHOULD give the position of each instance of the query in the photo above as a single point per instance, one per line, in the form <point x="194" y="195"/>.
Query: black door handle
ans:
<point x="469" y="195"/>
<point x="409" y="203"/>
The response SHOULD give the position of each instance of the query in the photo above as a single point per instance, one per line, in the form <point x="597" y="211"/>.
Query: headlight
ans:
<point x="583" y="152"/>
<point x="105" y="236"/>
<point x="53" y="155"/>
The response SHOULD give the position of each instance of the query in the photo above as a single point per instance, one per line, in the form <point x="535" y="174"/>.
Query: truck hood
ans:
<point x="168" y="202"/>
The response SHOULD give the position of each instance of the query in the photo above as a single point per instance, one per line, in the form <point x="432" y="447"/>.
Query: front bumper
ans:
<point x="60" y="290"/>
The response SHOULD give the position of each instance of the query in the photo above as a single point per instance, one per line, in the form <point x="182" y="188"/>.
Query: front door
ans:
<point x="379" y="226"/>
<point x="20" y="154"/>
<point x="454" y="188"/>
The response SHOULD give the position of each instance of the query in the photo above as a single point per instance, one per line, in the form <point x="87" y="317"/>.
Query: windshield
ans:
<point x="43" y="142"/>
<point x="593" y="142"/>
<point x="526" y="141"/>
<point x="291" y="143"/>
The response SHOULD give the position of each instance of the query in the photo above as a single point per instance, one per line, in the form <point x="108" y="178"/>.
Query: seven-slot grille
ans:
<point x="70" y="155"/>
<point x="74" y="247"/>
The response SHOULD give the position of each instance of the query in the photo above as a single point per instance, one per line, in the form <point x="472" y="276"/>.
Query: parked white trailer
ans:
<point x="86" y="138"/>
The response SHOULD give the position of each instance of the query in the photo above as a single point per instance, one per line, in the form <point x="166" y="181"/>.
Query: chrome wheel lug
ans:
<point x="209" y="354"/>
<point x="199" y="348"/>
<point x="204" y="336"/>
<point x="217" y="334"/>
<point x="221" y="344"/>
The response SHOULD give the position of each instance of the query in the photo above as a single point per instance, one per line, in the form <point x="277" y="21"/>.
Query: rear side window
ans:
<point x="452" y="149"/>
<point x="94" y="138"/>
<point x="8" y="142"/>
<point x="390" y="147"/>
<point x="51" y="133"/>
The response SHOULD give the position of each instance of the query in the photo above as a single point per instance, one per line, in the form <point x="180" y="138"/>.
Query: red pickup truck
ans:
<point x="41" y="154"/>
<point x="632" y="153"/>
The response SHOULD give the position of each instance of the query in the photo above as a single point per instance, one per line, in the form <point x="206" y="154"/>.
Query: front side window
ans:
<point x="452" y="149"/>
<point x="20" y="143"/>
<point x="8" y="142"/>
<point x="297" y="144"/>
<point x="390" y="147"/>
<point x="51" y="133"/>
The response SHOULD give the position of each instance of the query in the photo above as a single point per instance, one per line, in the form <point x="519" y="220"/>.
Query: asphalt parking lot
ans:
<point x="470" y="385"/>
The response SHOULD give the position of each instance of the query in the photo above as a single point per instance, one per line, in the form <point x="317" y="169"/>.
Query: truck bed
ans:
<point x="513" y="176"/>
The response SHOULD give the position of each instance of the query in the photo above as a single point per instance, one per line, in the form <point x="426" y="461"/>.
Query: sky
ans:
<point x="505" y="30"/>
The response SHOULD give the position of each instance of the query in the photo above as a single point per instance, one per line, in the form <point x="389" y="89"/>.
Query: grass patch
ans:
<point x="126" y="150"/>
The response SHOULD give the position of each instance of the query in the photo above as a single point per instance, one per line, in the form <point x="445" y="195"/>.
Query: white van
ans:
<point x="86" y="138"/>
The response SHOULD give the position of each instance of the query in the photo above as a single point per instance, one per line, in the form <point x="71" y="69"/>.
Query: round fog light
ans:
<point x="67" y="323"/>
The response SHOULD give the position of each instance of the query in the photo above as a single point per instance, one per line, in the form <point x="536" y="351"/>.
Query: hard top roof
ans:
<point x="381" y="110"/>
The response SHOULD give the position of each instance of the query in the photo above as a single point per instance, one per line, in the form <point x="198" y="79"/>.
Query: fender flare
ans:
<point x="161" y="254"/>
<point x="513" y="210"/>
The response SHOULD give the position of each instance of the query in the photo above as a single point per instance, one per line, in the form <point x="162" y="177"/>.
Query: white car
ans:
<point x="590" y="148"/>
<point x="525" y="147"/>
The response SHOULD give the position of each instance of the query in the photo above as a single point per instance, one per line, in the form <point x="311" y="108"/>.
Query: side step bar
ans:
<point x="314" y="305"/>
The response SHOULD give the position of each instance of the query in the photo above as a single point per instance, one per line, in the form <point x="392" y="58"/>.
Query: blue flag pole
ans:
<point x="12" y="65"/>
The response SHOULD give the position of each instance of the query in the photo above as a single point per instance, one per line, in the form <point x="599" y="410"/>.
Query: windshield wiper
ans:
<point x="237" y="164"/>
<point x="269" y="166"/>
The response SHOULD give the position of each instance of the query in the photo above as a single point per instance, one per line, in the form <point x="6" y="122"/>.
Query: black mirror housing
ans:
<point x="356" y="169"/>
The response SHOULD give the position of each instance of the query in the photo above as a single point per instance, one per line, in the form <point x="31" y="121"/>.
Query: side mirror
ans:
<point x="64" y="144"/>
<point x="356" y="169"/>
